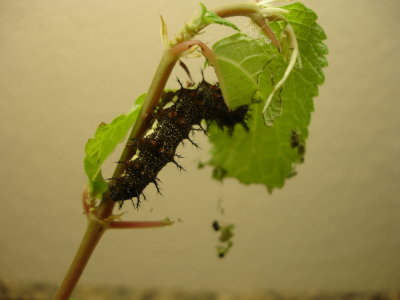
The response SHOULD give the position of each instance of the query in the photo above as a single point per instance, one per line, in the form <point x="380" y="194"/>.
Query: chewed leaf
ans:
<point x="241" y="60"/>
<point x="270" y="111"/>
<point x="268" y="155"/>
<point x="106" y="138"/>
<point x="209" y="17"/>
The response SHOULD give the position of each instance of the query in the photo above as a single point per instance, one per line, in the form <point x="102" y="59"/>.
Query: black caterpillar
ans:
<point x="178" y="113"/>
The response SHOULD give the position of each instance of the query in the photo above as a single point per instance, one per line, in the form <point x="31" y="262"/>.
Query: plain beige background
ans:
<point x="68" y="65"/>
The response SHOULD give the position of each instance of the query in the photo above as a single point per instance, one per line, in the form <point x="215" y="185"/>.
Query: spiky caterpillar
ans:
<point x="178" y="114"/>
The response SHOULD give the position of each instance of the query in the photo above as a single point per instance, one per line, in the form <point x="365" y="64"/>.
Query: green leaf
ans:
<point x="106" y="138"/>
<point x="241" y="60"/>
<point x="268" y="155"/>
<point x="208" y="17"/>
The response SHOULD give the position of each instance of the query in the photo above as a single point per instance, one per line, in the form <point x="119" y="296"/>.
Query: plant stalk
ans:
<point x="94" y="232"/>
<point x="95" y="227"/>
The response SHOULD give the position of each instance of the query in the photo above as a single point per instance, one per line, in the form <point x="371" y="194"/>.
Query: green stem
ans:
<point x="94" y="232"/>
<point x="96" y="227"/>
<point x="154" y="93"/>
<point x="139" y="224"/>
<point x="167" y="63"/>
<point x="164" y="69"/>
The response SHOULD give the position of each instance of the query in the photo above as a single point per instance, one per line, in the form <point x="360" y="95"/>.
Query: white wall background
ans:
<point x="68" y="65"/>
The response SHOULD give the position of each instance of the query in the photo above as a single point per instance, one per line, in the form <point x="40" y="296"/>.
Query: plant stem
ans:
<point x="139" y="224"/>
<point x="94" y="232"/>
<point x="95" y="227"/>
<point x="167" y="63"/>
<point x="154" y="93"/>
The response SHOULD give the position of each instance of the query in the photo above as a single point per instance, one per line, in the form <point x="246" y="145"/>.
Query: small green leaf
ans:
<point x="268" y="155"/>
<point x="209" y="17"/>
<point x="106" y="138"/>
<point x="241" y="60"/>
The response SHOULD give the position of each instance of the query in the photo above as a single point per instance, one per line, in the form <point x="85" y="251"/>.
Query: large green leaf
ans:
<point x="268" y="155"/>
<point x="106" y="138"/>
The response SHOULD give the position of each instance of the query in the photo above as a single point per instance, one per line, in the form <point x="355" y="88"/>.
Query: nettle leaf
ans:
<point x="268" y="155"/>
<point x="241" y="60"/>
<point x="106" y="138"/>
<point x="208" y="17"/>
